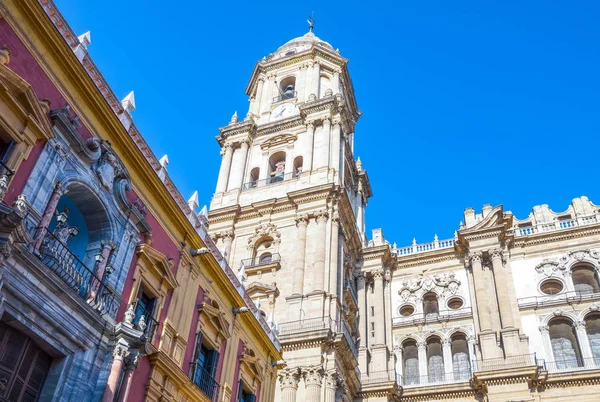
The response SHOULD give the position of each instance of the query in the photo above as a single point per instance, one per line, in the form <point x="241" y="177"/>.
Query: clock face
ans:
<point x="282" y="111"/>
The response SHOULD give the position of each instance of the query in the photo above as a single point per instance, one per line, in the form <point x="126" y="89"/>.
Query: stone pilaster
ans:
<point x="288" y="380"/>
<point x="447" y="353"/>
<point x="324" y="151"/>
<point x="332" y="381"/>
<point x="120" y="352"/>
<point x="300" y="255"/>
<point x="503" y="296"/>
<point x="130" y="367"/>
<point x="227" y="153"/>
<point x="318" y="270"/>
<point x="227" y="241"/>
<point x="582" y="338"/>
<point x="237" y="173"/>
<point x="378" y="279"/>
<point x="422" y="349"/>
<point x="258" y="99"/>
<point x="310" y="137"/>
<point x="487" y="338"/>
<point x="335" y="146"/>
<point x="335" y="241"/>
<point x="313" y="380"/>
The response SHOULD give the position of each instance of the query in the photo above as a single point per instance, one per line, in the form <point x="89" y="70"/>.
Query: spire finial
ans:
<point x="311" y="22"/>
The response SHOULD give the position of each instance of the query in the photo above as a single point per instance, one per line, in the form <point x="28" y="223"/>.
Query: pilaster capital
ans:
<point x="59" y="188"/>
<point x="227" y="148"/>
<point x="337" y="70"/>
<point x="271" y="76"/>
<point x="471" y="340"/>
<point x="310" y="125"/>
<point x="335" y="218"/>
<point x="580" y="324"/>
<point x="332" y="380"/>
<point x="321" y="216"/>
<point x="446" y="343"/>
<point x="313" y="375"/>
<point x="121" y="351"/>
<point x="475" y="256"/>
<point x="336" y="123"/>
<point x="326" y="121"/>
<point x="227" y="235"/>
<point x="496" y="254"/>
<point x="360" y="277"/>
<point x="289" y="378"/>
<point x="378" y="274"/>
<point x="421" y="345"/>
<point x="544" y="329"/>
<point x="398" y="350"/>
<point x="302" y="220"/>
<point x="245" y="143"/>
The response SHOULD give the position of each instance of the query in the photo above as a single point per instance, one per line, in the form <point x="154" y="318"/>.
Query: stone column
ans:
<point x="289" y="162"/>
<point x="545" y="331"/>
<point x="335" y="248"/>
<point x="300" y="255"/>
<point x="258" y="98"/>
<point x="313" y="379"/>
<point x="448" y="363"/>
<point x="107" y="248"/>
<point x="227" y="241"/>
<point x="49" y="211"/>
<point x="332" y="380"/>
<point x="288" y="380"/>
<point x="128" y="378"/>
<point x="120" y="352"/>
<point x="318" y="270"/>
<point x="485" y="322"/>
<point x="378" y="278"/>
<point x="316" y="78"/>
<point x="264" y="170"/>
<point x="471" y="340"/>
<point x="335" y="145"/>
<point x="584" y="344"/>
<point x="237" y="176"/>
<point x="309" y="79"/>
<point x="500" y="278"/>
<point x="324" y="152"/>
<point x="227" y="153"/>
<point x="363" y="316"/>
<point x="310" y="138"/>
<point x="335" y="85"/>
<point x="399" y="352"/>
<point x="266" y="99"/>
<point x="423" y="375"/>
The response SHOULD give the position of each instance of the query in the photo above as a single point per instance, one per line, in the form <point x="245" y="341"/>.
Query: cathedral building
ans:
<point x="507" y="310"/>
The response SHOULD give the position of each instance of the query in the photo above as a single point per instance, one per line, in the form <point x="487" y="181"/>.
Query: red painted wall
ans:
<point x="236" y="374"/>
<point x="140" y="379"/>
<point x="221" y="358"/>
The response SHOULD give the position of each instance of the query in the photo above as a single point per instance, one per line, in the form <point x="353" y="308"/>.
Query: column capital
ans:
<point x="446" y="343"/>
<point x="322" y="216"/>
<point x="244" y="143"/>
<point x="421" y="345"/>
<point x="496" y="254"/>
<point x="398" y="350"/>
<point x="313" y="375"/>
<point x="332" y="380"/>
<point x="475" y="256"/>
<point x="326" y="120"/>
<point x="121" y="351"/>
<point x="360" y="277"/>
<point x="227" y="235"/>
<point x="378" y="274"/>
<point x="335" y="218"/>
<point x="301" y="220"/>
<point x="310" y="124"/>
<point x="289" y="378"/>
<point x="579" y="324"/>
<point x="336" y="122"/>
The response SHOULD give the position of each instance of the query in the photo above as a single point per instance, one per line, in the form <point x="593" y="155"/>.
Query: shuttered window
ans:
<point x="23" y="366"/>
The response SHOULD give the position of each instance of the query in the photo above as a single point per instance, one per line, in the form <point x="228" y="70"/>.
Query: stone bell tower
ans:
<point x="288" y="213"/>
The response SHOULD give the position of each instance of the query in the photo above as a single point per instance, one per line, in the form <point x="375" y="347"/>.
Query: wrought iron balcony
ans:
<point x="148" y="325"/>
<point x="270" y="180"/>
<point x="260" y="261"/>
<point x="83" y="280"/>
<point x="205" y="381"/>
<point x="285" y="96"/>
<point x="568" y="365"/>
<point x="443" y="315"/>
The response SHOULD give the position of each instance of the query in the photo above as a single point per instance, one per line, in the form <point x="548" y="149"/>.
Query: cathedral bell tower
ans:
<point x="288" y="213"/>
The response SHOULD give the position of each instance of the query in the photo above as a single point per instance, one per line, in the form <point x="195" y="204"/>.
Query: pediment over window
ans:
<point x="261" y="290"/>
<point x="251" y="366"/>
<point x="278" y="140"/>
<point x="156" y="269"/>
<point x="23" y="116"/>
<point x="212" y="320"/>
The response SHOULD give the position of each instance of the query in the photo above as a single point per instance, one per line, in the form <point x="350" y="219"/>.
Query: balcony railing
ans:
<point x="57" y="256"/>
<point x="591" y="363"/>
<point x="507" y="362"/>
<point x="285" y="96"/>
<point x="270" y="180"/>
<point x="432" y="317"/>
<point x="205" y="381"/>
<point x="560" y="224"/>
<point x="343" y="327"/>
<point x="307" y="325"/>
<point x="559" y="298"/>
<point x="257" y="261"/>
<point x="378" y="377"/>
<point x="149" y="323"/>
<point x="435" y="379"/>
<point x="415" y="248"/>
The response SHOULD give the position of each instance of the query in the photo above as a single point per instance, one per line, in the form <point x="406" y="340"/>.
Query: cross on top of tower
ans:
<point x="311" y="21"/>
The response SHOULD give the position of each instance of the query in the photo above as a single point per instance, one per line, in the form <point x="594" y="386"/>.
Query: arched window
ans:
<point x="287" y="88"/>
<point x="585" y="279"/>
<point x="564" y="343"/>
<point x="324" y="85"/>
<point x="254" y="175"/>
<point x="592" y="328"/>
<point x="263" y="252"/>
<point x="460" y="357"/>
<point x="276" y="167"/>
<point x="298" y="165"/>
<point x="411" y="362"/>
<point x="435" y="359"/>
<point x="430" y="305"/>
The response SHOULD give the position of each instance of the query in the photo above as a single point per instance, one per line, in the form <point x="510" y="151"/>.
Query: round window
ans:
<point x="551" y="286"/>
<point x="407" y="310"/>
<point x="455" y="303"/>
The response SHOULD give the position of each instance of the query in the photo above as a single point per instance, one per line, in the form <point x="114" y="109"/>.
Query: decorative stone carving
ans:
<point x="332" y="380"/>
<point x="544" y="329"/>
<point x="302" y="219"/>
<point x="20" y="205"/>
<point x="475" y="256"/>
<point x="262" y="231"/>
<point x="142" y="323"/>
<point x="321" y="216"/>
<point x="289" y="378"/>
<point x="418" y="286"/>
<point x="559" y="266"/>
<point x="107" y="170"/>
<point x="313" y="375"/>
<point x="129" y="315"/>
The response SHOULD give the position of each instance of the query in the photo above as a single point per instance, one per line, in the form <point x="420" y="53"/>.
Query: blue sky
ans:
<point x="464" y="102"/>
